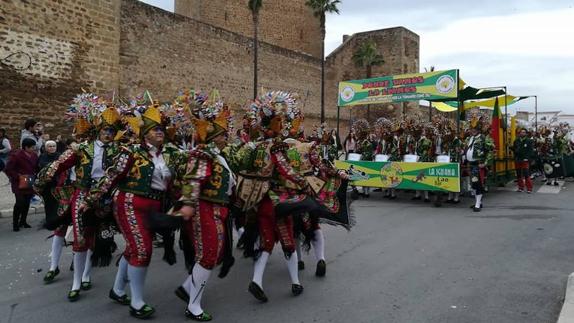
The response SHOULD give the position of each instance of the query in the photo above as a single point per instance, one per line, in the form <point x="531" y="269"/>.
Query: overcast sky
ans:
<point x="527" y="45"/>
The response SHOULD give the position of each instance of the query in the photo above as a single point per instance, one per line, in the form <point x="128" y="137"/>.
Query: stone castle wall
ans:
<point x="51" y="49"/>
<point x="163" y="52"/>
<point x="400" y="50"/>
<point x="288" y="24"/>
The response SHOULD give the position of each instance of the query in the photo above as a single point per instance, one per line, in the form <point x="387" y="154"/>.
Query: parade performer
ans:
<point x="327" y="191"/>
<point x="98" y="122"/>
<point x="207" y="186"/>
<point x="552" y="159"/>
<point x="396" y="148"/>
<point x="425" y="150"/>
<point x="61" y="192"/>
<point x="142" y="175"/>
<point x="454" y="146"/>
<point x="365" y="146"/>
<point x="523" y="148"/>
<point x="478" y="156"/>
<point x="260" y="186"/>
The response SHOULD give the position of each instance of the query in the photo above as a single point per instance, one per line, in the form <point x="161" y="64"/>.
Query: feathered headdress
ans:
<point x="276" y="112"/>
<point x="211" y="117"/>
<point x="86" y="113"/>
<point x="361" y="128"/>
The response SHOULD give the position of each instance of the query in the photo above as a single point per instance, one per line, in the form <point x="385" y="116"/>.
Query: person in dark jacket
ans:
<point x="49" y="155"/>
<point x="523" y="152"/>
<point x="22" y="162"/>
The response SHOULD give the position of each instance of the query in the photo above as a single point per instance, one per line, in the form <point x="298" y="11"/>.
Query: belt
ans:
<point x="155" y="195"/>
<point x="151" y="194"/>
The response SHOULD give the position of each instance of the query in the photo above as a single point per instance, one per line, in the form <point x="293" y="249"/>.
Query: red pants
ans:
<point x="273" y="230"/>
<point x="207" y="230"/>
<point x="130" y="212"/>
<point x="523" y="174"/>
<point x="84" y="236"/>
<point x="61" y="231"/>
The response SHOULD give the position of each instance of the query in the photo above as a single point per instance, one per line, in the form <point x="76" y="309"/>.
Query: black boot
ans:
<point x="257" y="292"/>
<point x="15" y="219"/>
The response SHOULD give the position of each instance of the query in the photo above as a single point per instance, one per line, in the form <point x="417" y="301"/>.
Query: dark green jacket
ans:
<point x="523" y="149"/>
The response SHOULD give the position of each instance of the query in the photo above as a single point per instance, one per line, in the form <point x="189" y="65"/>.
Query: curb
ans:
<point x="7" y="213"/>
<point x="567" y="312"/>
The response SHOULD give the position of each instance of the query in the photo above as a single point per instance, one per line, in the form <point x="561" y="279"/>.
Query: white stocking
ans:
<point x="79" y="265"/>
<point x="298" y="248"/>
<point x="187" y="285"/>
<point x="478" y="200"/>
<point x="136" y="276"/>
<point x="319" y="245"/>
<point x="88" y="268"/>
<point x="259" y="268"/>
<point x="292" y="267"/>
<point x="57" y="246"/>
<point x="121" y="277"/>
<point x="200" y="276"/>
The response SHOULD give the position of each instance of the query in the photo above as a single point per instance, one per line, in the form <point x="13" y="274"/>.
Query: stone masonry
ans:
<point x="288" y="24"/>
<point x="51" y="49"/>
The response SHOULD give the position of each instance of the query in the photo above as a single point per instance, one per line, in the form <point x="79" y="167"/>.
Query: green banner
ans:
<point x="399" y="88"/>
<point x="443" y="177"/>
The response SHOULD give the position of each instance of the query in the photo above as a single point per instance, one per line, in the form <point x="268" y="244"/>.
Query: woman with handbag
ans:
<point x="21" y="170"/>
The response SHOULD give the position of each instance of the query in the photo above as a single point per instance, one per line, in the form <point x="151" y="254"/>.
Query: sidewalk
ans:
<point x="7" y="200"/>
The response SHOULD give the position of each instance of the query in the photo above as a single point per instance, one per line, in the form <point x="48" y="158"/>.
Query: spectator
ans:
<point x="33" y="130"/>
<point x="61" y="144"/>
<point x="350" y="143"/>
<point x="5" y="149"/>
<point x="21" y="170"/>
<point x="49" y="155"/>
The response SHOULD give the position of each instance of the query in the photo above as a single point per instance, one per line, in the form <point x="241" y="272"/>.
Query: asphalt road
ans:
<point x="403" y="262"/>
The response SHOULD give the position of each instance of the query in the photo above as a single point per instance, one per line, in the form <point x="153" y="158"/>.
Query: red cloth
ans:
<point x="207" y="230"/>
<point x="84" y="236"/>
<point x="61" y="231"/>
<point x="131" y="212"/>
<point x="21" y="163"/>
<point x="523" y="174"/>
<point x="273" y="230"/>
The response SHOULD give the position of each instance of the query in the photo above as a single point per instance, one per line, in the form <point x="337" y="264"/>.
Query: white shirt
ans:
<point x="470" y="150"/>
<point x="7" y="148"/>
<point x="97" y="163"/>
<point x="161" y="174"/>
<point x="223" y="163"/>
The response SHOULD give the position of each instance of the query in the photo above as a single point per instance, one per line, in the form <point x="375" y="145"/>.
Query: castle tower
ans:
<point x="288" y="24"/>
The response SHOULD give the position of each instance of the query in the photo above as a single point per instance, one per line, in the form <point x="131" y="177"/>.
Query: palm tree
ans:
<point x="255" y="6"/>
<point x="320" y="9"/>
<point x="367" y="56"/>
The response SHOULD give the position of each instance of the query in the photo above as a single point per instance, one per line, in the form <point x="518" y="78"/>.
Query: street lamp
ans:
<point x="535" y="110"/>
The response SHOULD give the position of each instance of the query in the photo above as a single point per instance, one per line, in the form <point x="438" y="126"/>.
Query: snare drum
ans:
<point x="354" y="157"/>
<point x="443" y="159"/>
<point x="411" y="158"/>
<point x="381" y="158"/>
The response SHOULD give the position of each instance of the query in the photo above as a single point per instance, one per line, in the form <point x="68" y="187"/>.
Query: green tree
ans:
<point x="255" y="7"/>
<point x="320" y="9"/>
<point x="367" y="56"/>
